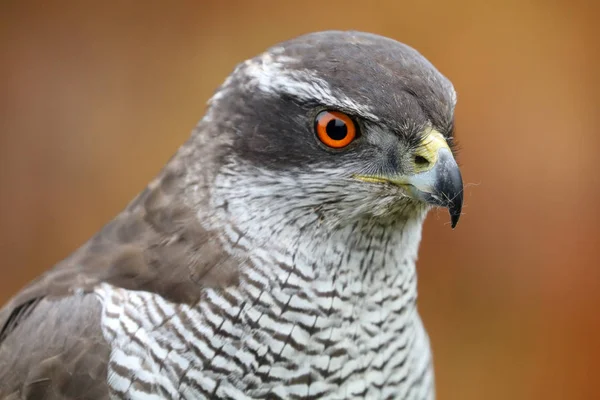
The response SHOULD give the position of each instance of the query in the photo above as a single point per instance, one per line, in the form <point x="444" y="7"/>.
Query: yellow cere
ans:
<point x="428" y="149"/>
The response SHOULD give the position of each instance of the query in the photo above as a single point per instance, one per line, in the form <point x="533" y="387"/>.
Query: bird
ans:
<point x="273" y="256"/>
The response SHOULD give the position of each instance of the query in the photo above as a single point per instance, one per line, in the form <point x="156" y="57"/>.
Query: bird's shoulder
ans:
<point x="156" y="244"/>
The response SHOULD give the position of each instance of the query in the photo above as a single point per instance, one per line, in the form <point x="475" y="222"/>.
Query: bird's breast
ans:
<point x="285" y="334"/>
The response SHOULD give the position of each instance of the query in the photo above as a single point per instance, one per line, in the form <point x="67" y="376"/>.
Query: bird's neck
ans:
<point x="365" y="255"/>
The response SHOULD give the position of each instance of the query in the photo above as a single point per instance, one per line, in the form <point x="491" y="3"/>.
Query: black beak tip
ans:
<point x="454" y="220"/>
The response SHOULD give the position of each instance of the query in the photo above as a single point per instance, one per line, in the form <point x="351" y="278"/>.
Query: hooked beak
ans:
<point x="436" y="179"/>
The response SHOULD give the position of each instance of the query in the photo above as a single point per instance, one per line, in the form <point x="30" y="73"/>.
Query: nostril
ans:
<point x="420" y="160"/>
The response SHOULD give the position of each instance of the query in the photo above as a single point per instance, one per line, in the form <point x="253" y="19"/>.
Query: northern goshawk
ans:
<point x="273" y="257"/>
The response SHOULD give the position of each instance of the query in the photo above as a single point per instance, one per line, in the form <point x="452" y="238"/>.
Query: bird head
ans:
<point x="337" y="126"/>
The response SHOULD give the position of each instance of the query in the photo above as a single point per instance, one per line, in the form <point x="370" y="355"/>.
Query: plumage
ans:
<point x="259" y="264"/>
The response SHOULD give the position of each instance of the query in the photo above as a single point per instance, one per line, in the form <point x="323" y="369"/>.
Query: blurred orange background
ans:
<point x="94" y="98"/>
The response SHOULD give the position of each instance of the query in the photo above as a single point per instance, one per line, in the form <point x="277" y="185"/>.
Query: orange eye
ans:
<point x="335" y="129"/>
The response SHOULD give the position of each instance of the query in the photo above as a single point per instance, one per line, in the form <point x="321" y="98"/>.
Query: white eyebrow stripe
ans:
<point x="269" y="75"/>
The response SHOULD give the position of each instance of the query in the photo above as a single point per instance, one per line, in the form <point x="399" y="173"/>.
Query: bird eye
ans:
<point x="335" y="129"/>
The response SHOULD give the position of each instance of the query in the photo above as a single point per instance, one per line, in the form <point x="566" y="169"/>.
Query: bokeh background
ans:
<point x="96" y="96"/>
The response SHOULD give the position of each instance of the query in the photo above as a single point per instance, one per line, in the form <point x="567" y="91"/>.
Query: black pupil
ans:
<point x="337" y="129"/>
